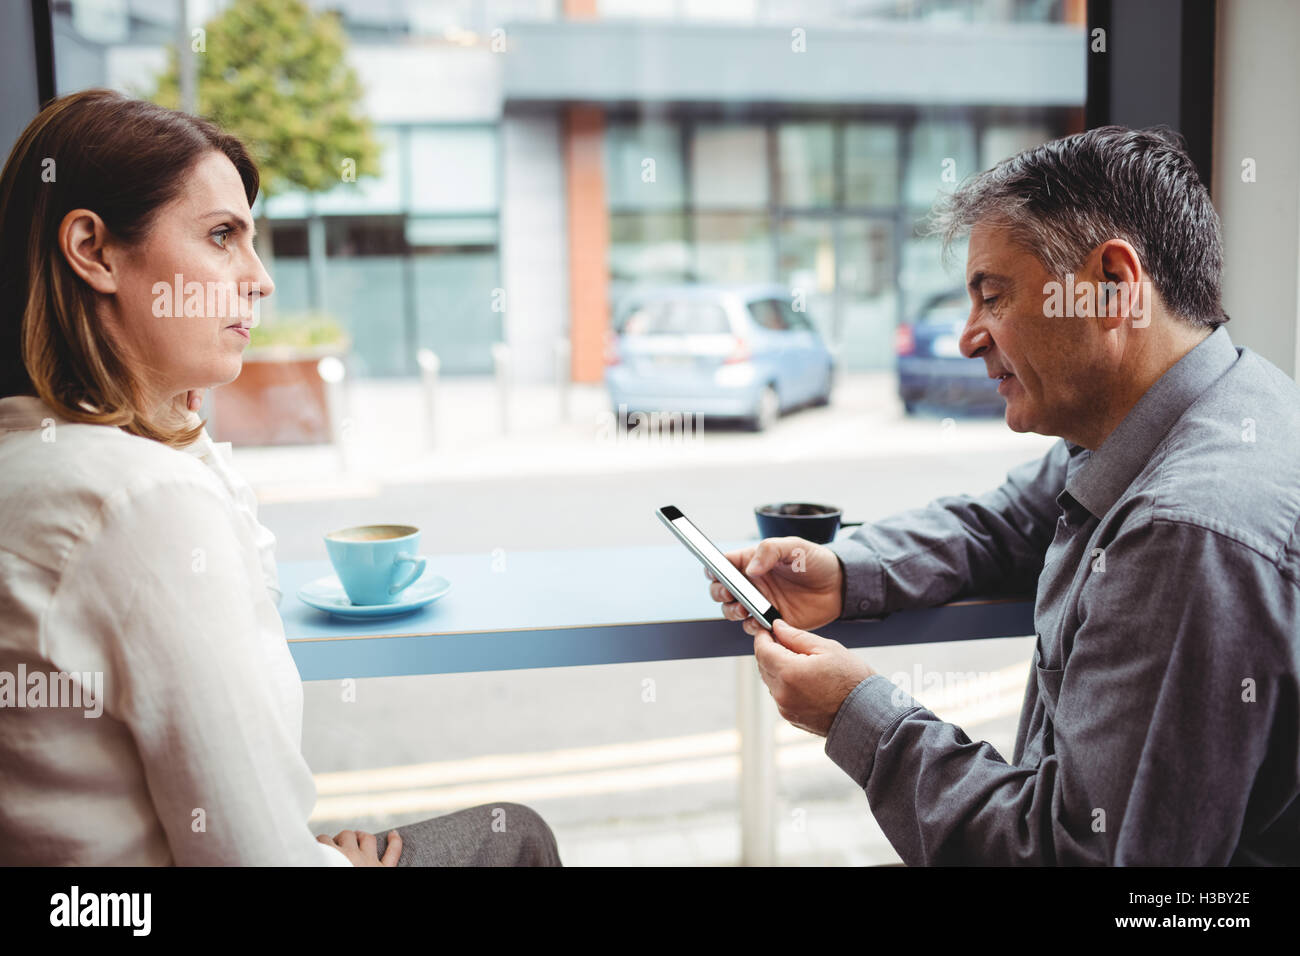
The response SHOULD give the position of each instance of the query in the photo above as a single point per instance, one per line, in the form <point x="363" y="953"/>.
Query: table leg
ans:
<point x="754" y="716"/>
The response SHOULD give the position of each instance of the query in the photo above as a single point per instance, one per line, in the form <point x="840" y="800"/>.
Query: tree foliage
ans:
<point x="275" y="74"/>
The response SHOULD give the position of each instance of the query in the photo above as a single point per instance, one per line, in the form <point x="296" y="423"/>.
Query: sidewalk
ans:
<point x="387" y="437"/>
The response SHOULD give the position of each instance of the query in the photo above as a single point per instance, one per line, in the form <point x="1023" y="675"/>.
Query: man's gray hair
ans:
<point x="1064" y="198"/>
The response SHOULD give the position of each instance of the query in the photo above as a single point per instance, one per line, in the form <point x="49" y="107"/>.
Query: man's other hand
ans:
<point x="809" y="676"/>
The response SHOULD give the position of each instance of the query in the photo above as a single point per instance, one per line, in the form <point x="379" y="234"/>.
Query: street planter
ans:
<point x="279" y="397"/>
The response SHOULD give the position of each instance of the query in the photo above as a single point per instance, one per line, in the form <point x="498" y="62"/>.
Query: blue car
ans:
<point x="718" y="351"/>
<point x="932" y="373"/>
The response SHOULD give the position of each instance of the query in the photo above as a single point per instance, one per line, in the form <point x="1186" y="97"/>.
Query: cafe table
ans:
<point x="510" y="610"/>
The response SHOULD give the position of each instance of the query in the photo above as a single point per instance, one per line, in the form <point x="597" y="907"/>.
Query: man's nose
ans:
<point x="975" y="339"/>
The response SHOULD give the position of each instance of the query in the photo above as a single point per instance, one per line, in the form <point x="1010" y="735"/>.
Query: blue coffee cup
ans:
<point x="376" y="562"/>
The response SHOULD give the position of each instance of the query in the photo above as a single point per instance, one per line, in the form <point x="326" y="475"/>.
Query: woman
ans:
<point x="150" y="711"/>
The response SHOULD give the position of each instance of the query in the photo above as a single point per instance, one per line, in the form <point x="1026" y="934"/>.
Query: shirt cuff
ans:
<point x="871" y="709"/>
<point x="864" y="579"/>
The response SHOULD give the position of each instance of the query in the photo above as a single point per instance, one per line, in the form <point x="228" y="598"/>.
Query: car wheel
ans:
<point x="768" y="410"/>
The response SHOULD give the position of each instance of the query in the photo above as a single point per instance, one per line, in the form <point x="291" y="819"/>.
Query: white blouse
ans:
<point x="142" y="570"/>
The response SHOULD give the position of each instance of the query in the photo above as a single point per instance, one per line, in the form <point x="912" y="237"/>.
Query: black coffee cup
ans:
<point x="816" y="523"/>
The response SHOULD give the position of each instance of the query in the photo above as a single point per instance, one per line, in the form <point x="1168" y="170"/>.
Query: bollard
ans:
<point x="501" y="363"/>
<point x="332" y="373"/>
<point x="563" y="375"/>
<point x="429" y="364"/>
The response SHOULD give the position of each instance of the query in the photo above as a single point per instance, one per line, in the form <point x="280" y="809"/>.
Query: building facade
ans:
<point x="542" y="158"/>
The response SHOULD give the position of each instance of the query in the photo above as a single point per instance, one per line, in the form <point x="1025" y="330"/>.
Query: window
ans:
<point x="453" y="169"/>
<point x="871" y="152"/>
<point x="643" y="166"/>
<point x="807" y="164"/>
<point x="795" y="321"/>
<point x="729" y="166"/>
<point x="767" y="313"/>
<point x="676" y="318"/>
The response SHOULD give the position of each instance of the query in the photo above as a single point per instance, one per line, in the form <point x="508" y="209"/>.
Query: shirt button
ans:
<point x="863" y="605"/>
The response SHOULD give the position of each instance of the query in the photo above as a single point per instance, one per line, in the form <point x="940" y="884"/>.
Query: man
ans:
<point x="1162" y="713"/>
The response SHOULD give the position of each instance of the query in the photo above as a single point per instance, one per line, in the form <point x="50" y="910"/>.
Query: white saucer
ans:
<point x="327" y="594"/>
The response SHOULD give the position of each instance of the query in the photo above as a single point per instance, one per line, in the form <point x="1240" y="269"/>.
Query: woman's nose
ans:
<point x="262" y="284"/>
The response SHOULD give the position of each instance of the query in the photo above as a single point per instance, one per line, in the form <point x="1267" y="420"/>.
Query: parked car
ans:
<point x="932" y="372"/>
<point x="725" y="351"/>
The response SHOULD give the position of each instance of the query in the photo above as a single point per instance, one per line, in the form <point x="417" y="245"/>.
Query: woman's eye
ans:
<point x="219" y="237"/>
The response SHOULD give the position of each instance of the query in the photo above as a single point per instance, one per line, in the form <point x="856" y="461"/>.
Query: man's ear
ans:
<point x="1120" y="289"/>
<point x="83" y="239"/>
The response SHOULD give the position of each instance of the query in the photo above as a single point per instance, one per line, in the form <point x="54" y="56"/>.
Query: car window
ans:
<point x="794" y="319"/>
<point x="941" y="308"/>
<point x="767" y="314"/>
<point x="676" y="318"/>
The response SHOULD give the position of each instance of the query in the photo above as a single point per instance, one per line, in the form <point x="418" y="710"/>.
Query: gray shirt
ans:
<point x="1161" y="721"/>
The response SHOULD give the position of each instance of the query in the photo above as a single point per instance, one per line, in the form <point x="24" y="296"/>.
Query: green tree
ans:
<point x="275" y="74"/>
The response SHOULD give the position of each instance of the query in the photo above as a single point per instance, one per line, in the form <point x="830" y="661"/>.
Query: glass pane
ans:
<point x="643" y="166"/>
<point x="364" y="237"/>
<point x="676" y="318"/>
<point x="365" y="294"/>
<point x="807" y="268"/>
<point x="868" y="300"/>
<point x="871" y="154"/>
<point x="806" y="157"/>
<point x="453" y="301"/>
<point x="453" y="169"/>
<point x="369" y="194"/>
<point x="942" y="155"/>
<point x="767" y="313"/>
<point x="476" y="231"/>
<point x="646" y="248"/>
<point x="732" y="247"/>
<point x="729" y="166"/>
<point x="795" y="319"/>
<point x="923" y="273"/>
<point x="1002" y="141"/>
<point x="292" y="287"/>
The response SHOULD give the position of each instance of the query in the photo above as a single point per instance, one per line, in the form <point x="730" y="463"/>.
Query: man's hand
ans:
<point x="808" y="676"/>
<point x="365" y="851"/>
<point x="800" y="577"/>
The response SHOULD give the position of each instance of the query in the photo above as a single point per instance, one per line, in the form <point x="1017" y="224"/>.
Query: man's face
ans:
<point x="1052" y="363"/>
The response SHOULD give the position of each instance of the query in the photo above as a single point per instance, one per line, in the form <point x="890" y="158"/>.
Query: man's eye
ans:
<point x="219" y="237"/>
<point x="990" y="300"/>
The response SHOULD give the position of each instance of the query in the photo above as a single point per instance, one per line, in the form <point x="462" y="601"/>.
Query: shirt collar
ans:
<point x="30" y="411"/>
<point x="25" y="411"/>
<point x="1105" y="473"/>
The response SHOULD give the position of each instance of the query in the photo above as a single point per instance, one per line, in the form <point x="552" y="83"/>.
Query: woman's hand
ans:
<point x="365" y="851"/>
<point x="194" y="399"/>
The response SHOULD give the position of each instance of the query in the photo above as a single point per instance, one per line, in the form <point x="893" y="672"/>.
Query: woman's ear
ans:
<point x="82" y="240"/>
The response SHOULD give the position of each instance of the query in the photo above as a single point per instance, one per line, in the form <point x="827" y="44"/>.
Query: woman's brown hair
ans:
<point x="124" y="159"/>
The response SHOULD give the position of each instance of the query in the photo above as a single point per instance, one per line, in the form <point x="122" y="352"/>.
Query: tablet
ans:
<point x="763" y="610"/>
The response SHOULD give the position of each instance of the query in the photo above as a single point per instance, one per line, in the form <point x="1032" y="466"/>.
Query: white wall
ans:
<point x="1257" y="116"/>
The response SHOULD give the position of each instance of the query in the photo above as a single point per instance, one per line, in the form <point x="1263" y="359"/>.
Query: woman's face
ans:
<point x="185" y="295"/>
